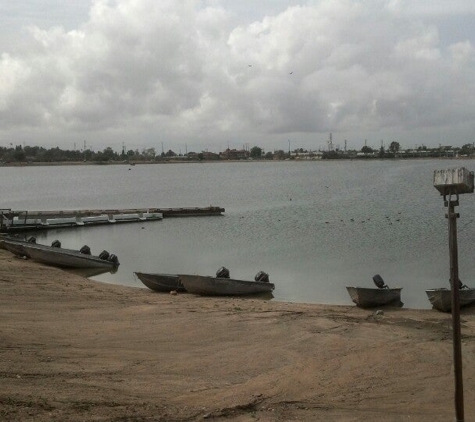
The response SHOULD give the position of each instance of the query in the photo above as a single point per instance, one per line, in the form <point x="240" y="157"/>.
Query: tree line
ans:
<point x="19" y="153"/>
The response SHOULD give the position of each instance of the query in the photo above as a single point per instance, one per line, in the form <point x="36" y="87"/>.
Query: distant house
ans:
<point x="235" y="154"/>
<point x="210" y="156"/>
<point x="192" y="155"/>
<point x="205" y="155"/>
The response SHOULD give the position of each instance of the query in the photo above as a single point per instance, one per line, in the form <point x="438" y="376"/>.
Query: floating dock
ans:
<point x="14" y="221"/>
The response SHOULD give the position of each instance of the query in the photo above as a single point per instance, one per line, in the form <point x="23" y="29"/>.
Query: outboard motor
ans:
<point x="113" y="258"/>
<point x="86" y="250"/>
<point x="262" y="276"/>
<point x="31" y="239"/>
<point x="104" y="255"/>
<point x="223" y="272"/>
<point x="378" y="280"/>
<point x="56" y="244"/>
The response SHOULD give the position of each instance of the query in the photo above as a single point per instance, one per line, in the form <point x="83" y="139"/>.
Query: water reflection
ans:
<point x="91" y="272"/>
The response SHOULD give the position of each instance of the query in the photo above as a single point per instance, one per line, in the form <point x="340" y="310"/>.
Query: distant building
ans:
<point x="234" y="154"/>
<point x="210" y="156"/>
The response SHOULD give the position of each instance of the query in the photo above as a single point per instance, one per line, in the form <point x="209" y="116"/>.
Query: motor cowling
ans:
<point x="86" y="250"/>
<point x="104" y="255"/>
<point x="223" y="272"/>
<point x="56" y="244"/>
<point x="378" y="280"/>
<point x="113" y="258"/>
<point x="31" y="239"/>
<point x="262" y="276"/>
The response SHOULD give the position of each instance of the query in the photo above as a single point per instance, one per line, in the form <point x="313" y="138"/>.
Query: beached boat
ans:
<point x="68" y="258"/>
<point x="15" y="245"/>
<point x="215" y="286"/>
<point x="382" y="295"/>
<point x="16" y="248"/>
<point x="441" y="299"/>
<point x="365" y="297"/>
<point x="161" y="282"/>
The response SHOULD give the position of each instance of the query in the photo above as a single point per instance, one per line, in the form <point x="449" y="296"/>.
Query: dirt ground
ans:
<point x="72" y="349"/>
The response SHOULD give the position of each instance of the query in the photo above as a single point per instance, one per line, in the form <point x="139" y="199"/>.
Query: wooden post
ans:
<point x="456" y="331"/>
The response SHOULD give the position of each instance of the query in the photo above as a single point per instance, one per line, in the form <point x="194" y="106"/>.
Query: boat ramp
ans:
<point x="15" y="221"/>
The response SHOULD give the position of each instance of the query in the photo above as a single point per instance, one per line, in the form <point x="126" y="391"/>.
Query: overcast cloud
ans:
<point x="208" y="74"/>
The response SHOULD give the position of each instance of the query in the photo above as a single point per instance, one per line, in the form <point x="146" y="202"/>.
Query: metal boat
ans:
<point x="215" y="286"/>
<point x="382" y="295"/>
<point x="67" y="258"/>
<point x="441" y="299"/>
<point x="161" y="282"/>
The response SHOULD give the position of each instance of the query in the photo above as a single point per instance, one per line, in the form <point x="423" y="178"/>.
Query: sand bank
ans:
<point x="72" y="349"/>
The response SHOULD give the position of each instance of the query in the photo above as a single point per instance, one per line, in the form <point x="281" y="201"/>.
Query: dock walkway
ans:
<point x="14" y="221"/>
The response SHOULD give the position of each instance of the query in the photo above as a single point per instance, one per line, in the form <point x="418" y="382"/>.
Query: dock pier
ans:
<point x="15" y="221"/>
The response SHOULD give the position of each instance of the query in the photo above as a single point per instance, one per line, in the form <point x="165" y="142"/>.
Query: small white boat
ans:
<point x="72" y="221"/>
<point x="96" y="219"/>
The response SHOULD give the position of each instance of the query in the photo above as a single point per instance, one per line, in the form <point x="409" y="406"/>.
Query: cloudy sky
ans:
<point x="204" y="75"/>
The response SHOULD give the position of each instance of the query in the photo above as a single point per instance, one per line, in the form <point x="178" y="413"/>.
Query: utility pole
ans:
<point x="330" y="143"/>
<point x="451" y="183"/>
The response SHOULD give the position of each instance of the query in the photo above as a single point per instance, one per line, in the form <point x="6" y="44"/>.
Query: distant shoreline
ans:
<point x="115" y="163"/>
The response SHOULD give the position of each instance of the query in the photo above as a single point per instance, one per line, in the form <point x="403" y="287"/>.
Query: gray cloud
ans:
<point x="208" y="73"/>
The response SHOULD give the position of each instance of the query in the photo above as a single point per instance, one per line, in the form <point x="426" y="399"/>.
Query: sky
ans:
<point x="205" y="75"/>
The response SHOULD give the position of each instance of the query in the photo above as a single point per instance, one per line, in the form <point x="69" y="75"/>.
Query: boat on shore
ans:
<point x="441" y="299"/>
<point x="382" y="295"/>
<point x="15" y="247"/>
<point x="161" y="282"/>
<point x="67" y="258"/>
<point x="224" y="286"/>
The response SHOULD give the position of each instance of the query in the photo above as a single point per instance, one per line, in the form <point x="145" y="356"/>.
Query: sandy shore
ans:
<point x="78" y="350"/>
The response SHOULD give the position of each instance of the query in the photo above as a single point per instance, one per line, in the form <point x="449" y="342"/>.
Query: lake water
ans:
<point x="315" y="227"/>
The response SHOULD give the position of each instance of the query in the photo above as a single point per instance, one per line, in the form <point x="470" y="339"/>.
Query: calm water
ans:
<point x="315" y="227"/>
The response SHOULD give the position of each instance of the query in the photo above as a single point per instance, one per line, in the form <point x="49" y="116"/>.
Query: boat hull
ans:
<point x="16" y="248"/>
<point x="161" y="282"/>
<point x="65" y="258"/>
<point x="441" y="299"/>
<point x="211" y="286"/>
<point x="371" y="298"/>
